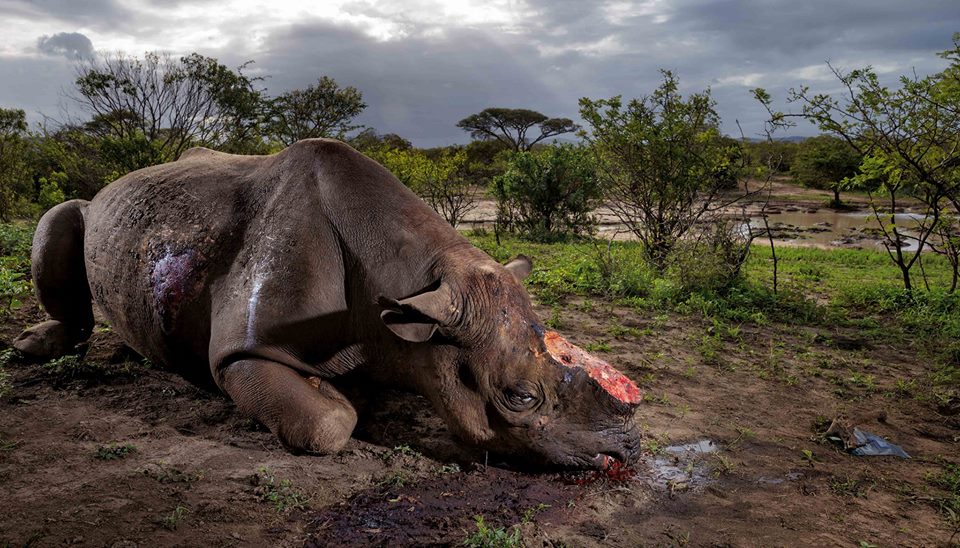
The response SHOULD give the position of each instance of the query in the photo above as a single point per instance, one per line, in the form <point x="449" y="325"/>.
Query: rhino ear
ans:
<point x="521" y="267"/>
<point x="417" y="318"/>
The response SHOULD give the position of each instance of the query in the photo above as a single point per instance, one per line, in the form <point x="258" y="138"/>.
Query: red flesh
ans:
<point x="614" y="382"/>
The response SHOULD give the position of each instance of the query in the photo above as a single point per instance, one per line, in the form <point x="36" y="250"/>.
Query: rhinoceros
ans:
<point x="273" y="277"/>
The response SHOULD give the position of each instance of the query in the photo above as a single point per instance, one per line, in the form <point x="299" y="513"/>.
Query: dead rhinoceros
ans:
<point x="273" y="275"/>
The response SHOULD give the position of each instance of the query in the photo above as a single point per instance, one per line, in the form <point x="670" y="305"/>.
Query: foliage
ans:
<point x="510" y="126"/>
<point x="549" y="194"/>
<point x="172" y="103"/>
<point x="711" y="261"/>
<point x="14" y="170"/>
<point x="320" y="110"/>
<point x="825" y="162"/>
<point x="278" y="493"/>
<point x="662" y="161"/>
<point x="51" y="190"/>
<point x="114" y="451"/>
<point x="770" y="154"/>
<point x="439" y="180"/>
<point x="909" y="138"/>
<point x="489" y="537"/>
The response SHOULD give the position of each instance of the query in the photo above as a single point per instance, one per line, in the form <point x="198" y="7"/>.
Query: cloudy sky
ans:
<point x="422" y="65"/>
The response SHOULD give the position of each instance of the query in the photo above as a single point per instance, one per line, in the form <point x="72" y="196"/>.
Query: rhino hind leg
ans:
<point x="305" y="414"/>
<point x="60" y="279"/>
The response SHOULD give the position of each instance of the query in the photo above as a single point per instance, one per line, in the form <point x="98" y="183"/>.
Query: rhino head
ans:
<point x="505" y="383"/>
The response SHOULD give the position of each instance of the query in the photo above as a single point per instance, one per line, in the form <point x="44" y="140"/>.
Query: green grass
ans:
<point x="278" y="493"/>
<point x="851" y="288"/>
<point x="492" y="537"/>
<point x="114" y="451"/>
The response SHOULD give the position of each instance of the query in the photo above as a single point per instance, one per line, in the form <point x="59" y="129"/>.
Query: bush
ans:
<point x="711" y="262"/>
<point x="51" y="190"/>
<point x="548" y="195"/>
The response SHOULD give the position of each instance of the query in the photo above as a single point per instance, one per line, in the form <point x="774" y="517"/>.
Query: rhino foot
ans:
<point x="48" y="340"/>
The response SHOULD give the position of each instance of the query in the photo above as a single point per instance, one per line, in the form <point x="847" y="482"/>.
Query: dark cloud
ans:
<point x="418" y="87"/>
<point x="97" y="14"/>
<point x="72" y="45"/>
<point x="421" y="83"/>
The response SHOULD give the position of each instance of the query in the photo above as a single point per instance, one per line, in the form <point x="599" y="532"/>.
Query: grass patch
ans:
<point x="278" y="493"/>
<point x="114" y="451"/>
<point x="492" y="537"/>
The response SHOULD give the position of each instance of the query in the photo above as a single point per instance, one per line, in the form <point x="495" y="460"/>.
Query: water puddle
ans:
<point x="680" y="467"/>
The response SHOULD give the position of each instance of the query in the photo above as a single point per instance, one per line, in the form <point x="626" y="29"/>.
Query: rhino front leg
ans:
<point x="305" y="414"/>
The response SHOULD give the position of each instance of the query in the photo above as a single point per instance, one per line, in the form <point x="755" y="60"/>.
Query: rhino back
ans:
<point x="181" y="256"/>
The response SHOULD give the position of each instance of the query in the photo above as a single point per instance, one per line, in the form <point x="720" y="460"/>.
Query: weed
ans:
<point x="173" y="520"/>
<point x="164" y="473"/>
<point x="452" y="468"/>
<point x="395" y="480"/>
<point x="530" y="513"/>
<point x="555" y="321"/>
<point x="848" y="487"/>
<point x="278" y="493"/>
<point x="652" y="446"/>
<point x="722" y="465"/>
<point x="599" y="346"/>
<point x="400" y="452"/>
<point x="488" y="537"/>
<point x="115" y="451"/>
<point x="808" y="456"/>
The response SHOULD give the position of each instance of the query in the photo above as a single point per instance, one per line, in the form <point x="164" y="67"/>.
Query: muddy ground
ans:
<point x="112" y="452"/>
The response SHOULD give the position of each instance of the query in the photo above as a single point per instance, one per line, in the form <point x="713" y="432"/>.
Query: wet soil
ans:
<point x="118" y="453"/>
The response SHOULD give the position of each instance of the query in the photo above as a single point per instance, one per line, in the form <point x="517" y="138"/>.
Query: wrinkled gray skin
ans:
<point x="272" y="275"/>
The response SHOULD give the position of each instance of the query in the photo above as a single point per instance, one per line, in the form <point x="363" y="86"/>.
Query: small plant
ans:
<point x="400" y="451"/>
<point x="278" y="493"/>
<point x="5" y="358"/>
<point x="395" y="480"/>
<point x="554" y="321"/>
<point x="115" y="451"/>
<point x="599" y="346"/>
<point x="452" y="468"/>
<point x="488" y="537"/>
<point x="173" y="520"/>
<point x="530" y="513"/>
<point x="163" y="473"/>
<point x="808" y="456"/>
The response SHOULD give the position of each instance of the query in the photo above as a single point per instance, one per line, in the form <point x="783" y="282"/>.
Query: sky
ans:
<point x="423" y="65"/>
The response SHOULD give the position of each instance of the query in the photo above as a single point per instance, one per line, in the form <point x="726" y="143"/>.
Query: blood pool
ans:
<point x="614" y="382"/>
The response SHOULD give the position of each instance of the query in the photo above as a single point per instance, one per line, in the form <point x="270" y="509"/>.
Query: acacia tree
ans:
<point x="826" y="162"/>
<point x="662" y="161"/>
<point x="511" y="126"/>
<point x="321" y="110"/>
<point x="909" y="138"/>
<point x="174" y="103"/>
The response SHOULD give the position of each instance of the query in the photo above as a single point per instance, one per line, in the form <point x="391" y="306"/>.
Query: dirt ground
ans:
<point x="113" y="452"/>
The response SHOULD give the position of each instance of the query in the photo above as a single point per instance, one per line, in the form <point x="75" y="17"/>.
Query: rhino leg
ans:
<point x="306" y="415"/>
<point x="60" y="278"/>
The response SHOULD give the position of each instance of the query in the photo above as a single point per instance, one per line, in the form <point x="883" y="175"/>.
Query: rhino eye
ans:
<point x="520" y="398"/>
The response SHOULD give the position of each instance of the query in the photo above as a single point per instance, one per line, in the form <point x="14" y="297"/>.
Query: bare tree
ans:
<point x="173" y="102"/>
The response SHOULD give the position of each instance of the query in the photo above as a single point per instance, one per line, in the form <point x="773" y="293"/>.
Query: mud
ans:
<point x="724" y="461"/>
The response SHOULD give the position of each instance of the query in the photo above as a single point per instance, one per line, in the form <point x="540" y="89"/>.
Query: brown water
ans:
<point x="824" y="228"/>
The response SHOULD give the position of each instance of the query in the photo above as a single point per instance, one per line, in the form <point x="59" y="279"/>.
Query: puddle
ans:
<point x="681" y="468"/>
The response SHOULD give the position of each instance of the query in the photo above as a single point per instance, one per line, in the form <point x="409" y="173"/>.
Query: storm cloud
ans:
<point x="423" y="65"/>
<point x="71" y="45"/>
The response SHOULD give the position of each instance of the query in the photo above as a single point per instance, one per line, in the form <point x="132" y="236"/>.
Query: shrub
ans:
<point x="548" y="195"/>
